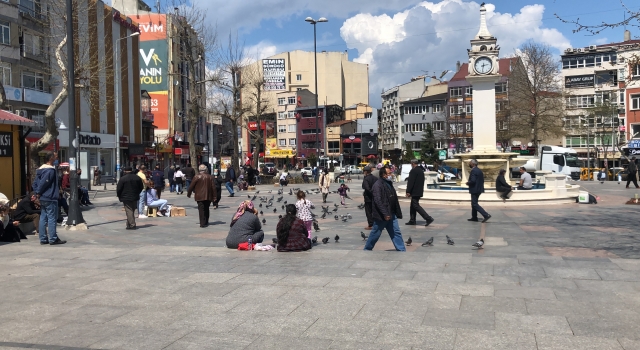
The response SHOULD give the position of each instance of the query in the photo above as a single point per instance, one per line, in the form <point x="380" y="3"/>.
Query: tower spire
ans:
<point x="483" y="33"/>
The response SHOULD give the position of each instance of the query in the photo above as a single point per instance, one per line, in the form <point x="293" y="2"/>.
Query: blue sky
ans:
<point x="404" y="38"/>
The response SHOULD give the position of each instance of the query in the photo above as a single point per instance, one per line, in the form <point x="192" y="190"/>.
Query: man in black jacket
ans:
<point x="367" y="185"/>
<point x="189" y="174"/>
<point x="415" y="190"/>
<point x="26" y="211"/>
<point x="632" y="172"/>
<point x="476" y="188"/>
<point x="230" y="178"/>
<point x="386" y="211"/>
<point x="128" y="191"/>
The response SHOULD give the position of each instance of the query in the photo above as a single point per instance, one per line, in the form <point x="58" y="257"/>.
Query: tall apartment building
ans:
<point x="24" y="60"/>
<point x="420" y="113"/>
<point x="602" y="83"/>
<point x="390" y="124"/>
<point x="460" y="106"/>
<point x="340" y="82"/>
<point x="288" y="102"/>
<point x="170" y="79"/>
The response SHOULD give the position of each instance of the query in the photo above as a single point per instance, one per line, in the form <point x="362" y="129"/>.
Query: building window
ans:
<point x="368" y="115"/>
<point x="498" y="107"/>
<point x="34" y="81"/>
<point x="439" y="144"/>
<point x="282" y="142"/>
<point x="282" y="128"/>
<point x="281" y="101"/>
<point x="298" y="77"/>
<point x="501" y="88"/>
<point x="502" y="125"/>
<point x="455" y="92"/>
<point x="309" y="132"/>
<point x="282" y="115"/>
<point x="32" y="44"/>
<point x="453" y="110"/>
<point x="581" y="101"/>
<point x="333" y="146"/>
<point x="292" y="142"/>
<point x="292" y="115"/>
<point x="5" y="73"/>
<point x="438" y="126"/>
<point x="469" y="109"/>
<point x="292" y="128"/>
<point x="469" y="127"/>
<point x="292" y="100"/>
<point x="437" y="108"/>
<point x="468" y="91"/>
<point x="5" y="33"/>
<point x="635" y="70"/>
<point x="635" y="101"/>
<point x="588" y="60"/>
<point x="31" y="7"/>
<point x="298" y="89"/>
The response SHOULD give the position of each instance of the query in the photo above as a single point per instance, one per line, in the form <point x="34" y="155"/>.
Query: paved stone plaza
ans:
<point x="550" y="277"/>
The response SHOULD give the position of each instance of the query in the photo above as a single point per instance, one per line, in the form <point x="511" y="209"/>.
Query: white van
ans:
<point x="404" y="171"/>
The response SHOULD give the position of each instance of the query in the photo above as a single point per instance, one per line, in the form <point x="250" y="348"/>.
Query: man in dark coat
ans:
<point x="46" y="188"/>
<point x="633" y="170"/>
<point x="157" y="176"/>
<point x="128" y="191"/>
<point x="502" y="186"/>
<point x="230" y="178"/>
<point x="367" y="185"/>
<point x="28" y="210"/>
<point x="476" y="188"/>
<point x="189" y="173"/>
<point x="386" y="211"/>
<point x="172" y="183"/>
<point x="415" y="190"/>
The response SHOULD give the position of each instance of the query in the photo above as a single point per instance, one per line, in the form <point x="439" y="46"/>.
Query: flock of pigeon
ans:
<point x="268" y="203"/>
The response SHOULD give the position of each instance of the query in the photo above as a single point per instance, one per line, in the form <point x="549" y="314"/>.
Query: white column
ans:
<point x="484" y="113"/>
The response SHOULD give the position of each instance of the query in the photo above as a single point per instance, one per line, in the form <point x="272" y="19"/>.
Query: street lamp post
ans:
<point x="315" y="63"/>
<point x="117" y="102"/>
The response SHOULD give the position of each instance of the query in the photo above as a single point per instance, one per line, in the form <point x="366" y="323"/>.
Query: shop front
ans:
<point x="13" y="182"/>
<point x="95" y="150"/>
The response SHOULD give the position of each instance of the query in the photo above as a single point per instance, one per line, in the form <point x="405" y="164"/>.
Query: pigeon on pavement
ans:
<point x="479" y="243"/>
<point x="450" y="241"/>
<point x="363" y="235"/>
<point x="409" y="241"/>
<point x="428" y="243"/>
<point x="325" y="240"/>
<point x="264" y="221"/>
<point x="314" y="240"/>
<point x="337" y="238"/>
<point x="274" y="240"/>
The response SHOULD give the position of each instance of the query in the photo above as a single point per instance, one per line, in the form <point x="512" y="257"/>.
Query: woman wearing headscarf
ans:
<point x="291" y="232"/>
<point x="502" y="186"/>
<point x="244" y="225"/>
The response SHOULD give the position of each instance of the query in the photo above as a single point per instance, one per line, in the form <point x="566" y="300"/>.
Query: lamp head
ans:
<point x="322" y="19"/>
<point x="310" y="20"/>
<point x="134" y="34"/>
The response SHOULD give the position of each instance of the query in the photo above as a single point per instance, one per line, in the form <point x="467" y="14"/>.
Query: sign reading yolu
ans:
<point x="153" y="65"/>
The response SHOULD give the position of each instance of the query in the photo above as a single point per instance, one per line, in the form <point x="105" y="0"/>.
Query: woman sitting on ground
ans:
<point x="9" y="228"/>
<point x="291" y="232"/>
<point x="154" y="201"/>
<point x="244" y="225"/>
<point x="502" y="186"/>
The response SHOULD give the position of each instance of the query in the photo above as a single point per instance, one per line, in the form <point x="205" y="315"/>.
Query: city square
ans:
<point x="560" y="277"/>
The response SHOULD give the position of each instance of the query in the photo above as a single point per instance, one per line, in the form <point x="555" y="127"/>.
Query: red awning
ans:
<point x="357" y="140"/>
<point x="371" y="156"/>
<point x="14" y="119"/>
<point x="261" y="155"/>
<point x="346" y="141"/>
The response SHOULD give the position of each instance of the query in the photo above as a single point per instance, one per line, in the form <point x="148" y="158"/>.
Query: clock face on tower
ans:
<point x="483" y="65"/>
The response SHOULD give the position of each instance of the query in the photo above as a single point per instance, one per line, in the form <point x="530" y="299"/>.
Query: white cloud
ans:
<point x="431" y="37"/>
<point x="260" y="50"/>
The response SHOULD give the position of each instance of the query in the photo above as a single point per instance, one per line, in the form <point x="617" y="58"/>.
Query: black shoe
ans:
<point x="473" y="219"/>
<point x="429" y="221"/>
<point x="88" y="203"/>
<point x="58" y="241"/>
<point x="486" y="219"/>
<point x="44" y="243"/>
<point x="410" y="223"/>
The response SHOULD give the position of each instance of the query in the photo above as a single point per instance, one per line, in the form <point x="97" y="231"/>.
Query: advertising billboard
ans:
<point x="274" y="72"/>
<point x="579" y="81"/>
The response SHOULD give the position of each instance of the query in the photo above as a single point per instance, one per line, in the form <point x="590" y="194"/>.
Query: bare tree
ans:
<point x="197" y="40"/>
<point x="536" y="103"/>
<point x="256" y="103"/>
<point x="631" y="19"/>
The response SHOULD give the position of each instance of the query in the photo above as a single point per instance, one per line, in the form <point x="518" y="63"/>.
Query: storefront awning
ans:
<point x="357" y="140"/>
<point x="346" y="141"/>
<point x="14" y="119"/>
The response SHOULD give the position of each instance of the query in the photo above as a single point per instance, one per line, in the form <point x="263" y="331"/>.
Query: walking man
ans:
<point x="129" y="187"/>
<point x="476" y="188"/>
<point x="47" y="192"/>
<point x="230" y="178"/>
<point x="415" y="190"/>
<point x="189" y="174"/>
<point x="633" y="172"/>
<point x="157" y="176"/>
<point x="172" y="183"/>
<point x="367" y="185"/>
<point x="205" y="192"/>
<point x="386" y="211"/>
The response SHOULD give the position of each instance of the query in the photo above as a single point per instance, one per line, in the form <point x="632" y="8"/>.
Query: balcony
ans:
<point x="40" y="57"/>
<point x="32" y="14"/>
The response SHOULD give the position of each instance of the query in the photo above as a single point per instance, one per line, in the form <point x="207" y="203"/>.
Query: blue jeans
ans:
<point x="142" y="202"/>
<point x="48" y="220"/>
<point x="172" y="187"/>
<point x="161" y="204"/>
<point x="229" y="186"/>
<point x="394" y="233"/>
<point x="187" y="184"/>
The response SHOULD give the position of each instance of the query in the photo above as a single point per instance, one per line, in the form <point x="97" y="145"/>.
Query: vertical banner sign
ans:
<point x="154" y="65"/>
<point x="6" y="144"/>
<point x="274" y="72"/>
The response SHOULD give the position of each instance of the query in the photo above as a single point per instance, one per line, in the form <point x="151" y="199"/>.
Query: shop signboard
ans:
<point x="274" y="72"/>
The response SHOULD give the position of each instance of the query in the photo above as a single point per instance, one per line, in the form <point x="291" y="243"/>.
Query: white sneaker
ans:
<point x="142" y="216"/>
<point x="167" y="214"/>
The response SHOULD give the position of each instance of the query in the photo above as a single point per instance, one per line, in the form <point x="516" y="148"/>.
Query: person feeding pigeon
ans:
<point x="342" y="190"/>
<point x="386" y="211"/>
<point x="303" y="207"/>
<point x="244" y="225"/>
<point x="291" y="232"/>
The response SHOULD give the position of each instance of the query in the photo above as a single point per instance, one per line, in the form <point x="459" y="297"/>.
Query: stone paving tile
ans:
<point x="280" y="342"/>
<point x="560" y="342"/>
<point x="476" y="290"/>
<point x="542" y="282"/>
<point x="482" y="339"/>
<point x="73" y="335"/>
<point x="526" y="293"/>
<point x="539" y="324"/>
<point x="496" y="281"/>
<point x="493" y="260"/>
<point x="343" y="330"/>
<point x="455" y="258"/>
<point x="420" y="267"/>
<point x="140" y="338"/>
<point x="469" y="269"/>
<point x="433" y="301"/>
<point x="369" y="346"/>
<point x="519" y="270"/>
<point x="594" y="326"/>
<point x="459" y="319"/>
<point x="619" y="275"/>
<point x="292" y="326"/>
<point x="593" y="263"/>
<point x="417" y="336"/>
<point x="609" y="286"/>
<point x="627" y="264"/>
<point x="493" y="304"/>
<point x="399" y="275"/>
<point x="629" y="344"/>
<point x="559" y="307"/>
<point x="440" y="277"/>
<point x="380" y="265"/>
<point x="583" y="274"/>
<point x="211" y="340"/>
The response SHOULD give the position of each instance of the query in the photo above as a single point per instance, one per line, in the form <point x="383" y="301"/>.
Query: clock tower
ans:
<point x="483" y="75"/>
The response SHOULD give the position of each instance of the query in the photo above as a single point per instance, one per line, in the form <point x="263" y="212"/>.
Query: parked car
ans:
<point x="306" y="170"/>
<point x="269" y="169"/>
